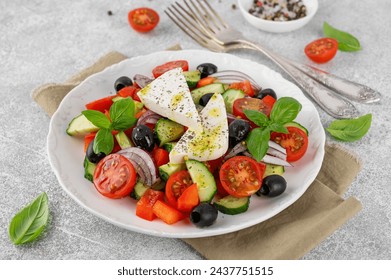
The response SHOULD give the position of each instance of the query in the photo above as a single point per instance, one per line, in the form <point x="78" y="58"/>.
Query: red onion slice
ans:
<point x="148" y="117"/>
<point x="271" y="159"/>
<point x="143" y="164"/>
<point x="237" y="149"/>
<point x="142" y="80"/>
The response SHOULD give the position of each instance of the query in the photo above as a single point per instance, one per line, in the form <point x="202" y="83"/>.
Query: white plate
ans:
<point x="66" y="152"/>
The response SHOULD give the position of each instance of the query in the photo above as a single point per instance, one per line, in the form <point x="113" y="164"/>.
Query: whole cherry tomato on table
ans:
<point x="143" y="19"/>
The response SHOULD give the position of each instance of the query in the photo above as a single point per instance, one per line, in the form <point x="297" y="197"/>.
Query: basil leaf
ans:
<point x="259" y="118"/>
<point x="122" y="114"/>
<point x="285" y="110"/>
<point x="350" y="130"/>
<point x="103" y="142"/>
<point x="97" y="118"/>
<point x="29" y="222"/>
<point x="278" y="128"/>
<point x="346" y="41"/>
<point x="258" y="142"/>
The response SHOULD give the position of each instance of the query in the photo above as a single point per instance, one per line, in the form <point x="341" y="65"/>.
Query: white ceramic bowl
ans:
<point x="278" y="26"/>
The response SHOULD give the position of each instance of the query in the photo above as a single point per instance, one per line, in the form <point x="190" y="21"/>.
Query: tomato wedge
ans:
<point x="295" y="142"/>
<point x="241" y="176"/>
<point x="256" y="104"/>
<point x="176" y="185"/>
<point x="244" y="86"/>
<point x="321" y="50"/>
<point x="115" y="176"/>
<point x="161" y="69"/>
<point x="143" y="19"/>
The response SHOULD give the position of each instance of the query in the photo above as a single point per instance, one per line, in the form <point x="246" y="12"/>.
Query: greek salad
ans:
<point x="189" y="144"/>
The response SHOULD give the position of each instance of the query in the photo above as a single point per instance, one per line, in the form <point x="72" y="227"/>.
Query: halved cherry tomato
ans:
<point x="269" y="100"/>
<point x="241" y="176"/>
<point x="143" y="19"/>
<point x="101" y="104"/>
<point x="115" y="176"/>
<point x="215" y="164"/>
<point x="160" y="156"/>
<point x="176" y="185"/>
<point x="295" y="142"/>
<point x="161" y="69"/>
<point x="205" y="81"/>
<point x="165" y="212"/>
<point x="321" y="50"/>
<point x="220" y="190"/>
<point x="145" y="204"/>
<point x="256" y="104"/>
<point x="188" y="199"/>
<point x="244" y="86"/>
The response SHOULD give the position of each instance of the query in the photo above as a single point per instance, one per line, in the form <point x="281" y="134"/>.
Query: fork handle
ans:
<point x="334" y="105"/>
<point x="351" y="90"/>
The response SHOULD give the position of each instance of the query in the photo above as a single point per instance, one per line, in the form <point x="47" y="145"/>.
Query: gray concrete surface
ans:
<point x="45" y="41"/>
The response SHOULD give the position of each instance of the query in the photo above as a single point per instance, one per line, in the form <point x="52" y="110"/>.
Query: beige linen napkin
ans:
<point x="288" y="235"/>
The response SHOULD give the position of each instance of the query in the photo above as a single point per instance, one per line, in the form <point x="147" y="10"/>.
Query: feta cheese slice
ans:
<point x="170" y="97"/>
<point x="209" y="143"/>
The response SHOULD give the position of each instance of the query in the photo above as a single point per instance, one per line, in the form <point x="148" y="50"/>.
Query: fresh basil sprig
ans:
<point x="350" y="130"/>
<point x="346" y="41"/>
<point x="121" y="118"/>
<point x="284" y="111"/>
<point x="29" y="222"/>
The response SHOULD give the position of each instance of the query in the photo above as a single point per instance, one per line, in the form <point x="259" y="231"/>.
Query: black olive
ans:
<point x="142" y="136"/>
<point x="91" y="155"/>
<point x="203" y="215"/>
<point x="205" y="99"/>
<point x="122" y="82"/>
<point x="238" y="131"/>
<point x="265" y="92"/>
<point x="207" y="69"/>
<point x="272" y="185"/>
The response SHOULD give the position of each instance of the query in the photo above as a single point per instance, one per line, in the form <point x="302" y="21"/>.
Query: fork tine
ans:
<point x="197" y="16"/>
<point x="215" y="14"/>
<point x="200" y="37"/>
<point x="211" y="17"/>
<point x="204" y="18"/>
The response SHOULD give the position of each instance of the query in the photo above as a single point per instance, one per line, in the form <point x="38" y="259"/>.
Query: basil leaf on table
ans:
<point x="29" y="222"/>
<point x="104" y="141"/>
<point x="350" y="130"/>
<point x="97" y="118"/>
<point x="346" y="41"/>
<point x="122" y="114"/>
<point x="285" y="110"/>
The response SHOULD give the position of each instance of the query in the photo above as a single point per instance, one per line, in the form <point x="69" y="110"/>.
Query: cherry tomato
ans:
<point x="115" y="176"/>
<point x="269" y="101"/>
<point x="161" y="69"/>
<point x="160" y="156"/>
<point x="321" y="50"/>
<point x="244" y="86"/>
<point x="241" y="176"/>
<point x="295" y="142"/>
<point x="256" y="104"/>
<point x="143" y="19"/>
<point x="176" y="185"/>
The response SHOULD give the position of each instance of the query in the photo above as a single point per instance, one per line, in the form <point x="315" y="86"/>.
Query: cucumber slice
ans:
<point x="272" y="169"/>
<point x="166" y="170"/>
<point x="230" y="96"/>
<point x="89" y="169"/>
<point x="168" y="131"/>
<point x="231" y="205"/>
<point x="169" y="146"/>
<point x="211" y="88"/>
<point x="123" y="140"/>
<point x="205" y="181"/>
<point x="192" y="78"/>
<point x="139" y="190"/>
<point x="81" y="126"/>
<point x="296" y="124"/>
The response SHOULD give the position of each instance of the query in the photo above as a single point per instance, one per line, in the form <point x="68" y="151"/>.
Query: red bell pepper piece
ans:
<point x="101" y="104"/>
<point x="144" y="207"/>
<point x="188" y="199"/>
<point x="244" y="86"/>
<point x="168" y="214"/>
<point x="205" y="81"/>
<point x="129" y="91"/>
<point x="160" y="156"/>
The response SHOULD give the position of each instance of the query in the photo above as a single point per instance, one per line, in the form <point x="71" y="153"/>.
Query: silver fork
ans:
<point x="204" y="25"/>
